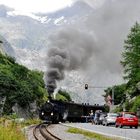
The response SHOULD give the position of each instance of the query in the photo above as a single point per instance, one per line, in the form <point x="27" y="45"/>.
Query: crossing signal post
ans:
<point x="102" y="87"/>
<point x="86" y="86"/>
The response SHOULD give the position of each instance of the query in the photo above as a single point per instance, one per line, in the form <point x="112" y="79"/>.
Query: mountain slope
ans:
<point x="6" y="47"/>
<point x="29" y="36"/>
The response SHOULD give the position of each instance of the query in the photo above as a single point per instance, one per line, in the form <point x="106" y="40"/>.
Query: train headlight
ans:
<point x="52" y="114"/>
<point x="42" y="113"/>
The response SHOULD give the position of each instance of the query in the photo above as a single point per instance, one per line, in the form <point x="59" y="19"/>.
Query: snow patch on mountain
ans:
<point x="59" y="20"/>
<point x="31" y="58"/>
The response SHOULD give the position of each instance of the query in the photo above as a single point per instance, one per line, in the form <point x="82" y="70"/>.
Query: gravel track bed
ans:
<point x="61" y="132"/>
<point x="29" y="132"/>
<point x="58" y="130"/>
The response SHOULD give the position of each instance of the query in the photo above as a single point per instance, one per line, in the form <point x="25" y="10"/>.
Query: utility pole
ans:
<point x="112" y="96"/>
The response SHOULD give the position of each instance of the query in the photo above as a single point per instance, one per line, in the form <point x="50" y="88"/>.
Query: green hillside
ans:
<point x="19" y="84"/>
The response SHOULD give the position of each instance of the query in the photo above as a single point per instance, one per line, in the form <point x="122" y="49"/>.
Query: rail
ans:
<point x="35" y="132"/>
<point x="44" y="131"/>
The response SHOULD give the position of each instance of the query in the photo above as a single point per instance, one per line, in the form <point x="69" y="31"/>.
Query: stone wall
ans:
<point x="28" y="112"/>
<point x="2" y="102"/>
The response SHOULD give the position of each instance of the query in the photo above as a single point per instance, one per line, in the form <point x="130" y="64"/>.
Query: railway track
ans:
<point x="42" y="132"/>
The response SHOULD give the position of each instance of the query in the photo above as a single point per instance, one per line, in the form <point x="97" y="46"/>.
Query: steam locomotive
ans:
<point x="55" y="111"/>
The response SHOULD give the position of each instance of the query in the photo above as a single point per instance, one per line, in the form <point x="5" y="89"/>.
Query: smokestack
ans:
<point x="70" y="49"/>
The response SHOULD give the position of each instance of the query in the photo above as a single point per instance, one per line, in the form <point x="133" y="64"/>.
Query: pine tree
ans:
<point x="131" y="55"/>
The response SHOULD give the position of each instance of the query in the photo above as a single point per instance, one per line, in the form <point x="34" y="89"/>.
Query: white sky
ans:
<point x="28" y="6"/>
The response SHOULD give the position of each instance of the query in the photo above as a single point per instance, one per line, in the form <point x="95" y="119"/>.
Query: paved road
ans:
<point x="126" y="132"/>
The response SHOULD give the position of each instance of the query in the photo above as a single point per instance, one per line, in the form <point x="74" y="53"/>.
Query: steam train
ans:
<point x="55" y="111"/>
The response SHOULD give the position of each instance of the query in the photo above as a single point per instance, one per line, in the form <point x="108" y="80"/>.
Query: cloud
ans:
<point x="111" y="24"/>
<point x="93" y="3"/>
<point x="31" y="6"/>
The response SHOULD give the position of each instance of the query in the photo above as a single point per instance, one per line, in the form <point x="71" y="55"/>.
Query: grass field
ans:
<point x="12" y="130"/>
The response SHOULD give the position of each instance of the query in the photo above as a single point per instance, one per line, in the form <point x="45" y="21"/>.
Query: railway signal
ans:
<point x="86" y="86"/>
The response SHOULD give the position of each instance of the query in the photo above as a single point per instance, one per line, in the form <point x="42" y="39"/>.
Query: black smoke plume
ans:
<point x="70" y="49"/>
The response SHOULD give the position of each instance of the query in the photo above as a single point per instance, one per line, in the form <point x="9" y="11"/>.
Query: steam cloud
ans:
<point x="70" y="50"/>
<point x="110" y="24"/>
